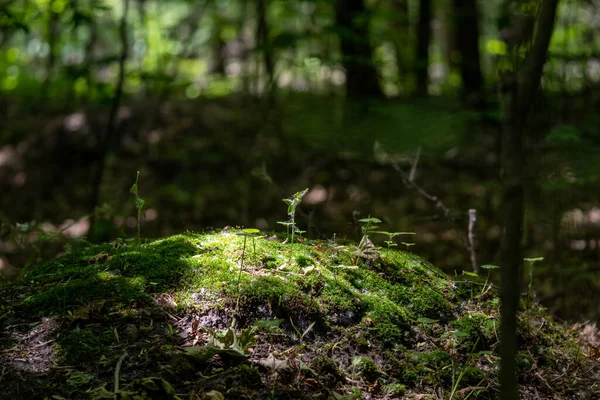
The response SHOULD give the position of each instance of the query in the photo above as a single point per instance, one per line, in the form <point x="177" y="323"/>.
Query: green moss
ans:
<point x="76" y="292"/>
<point x="327" y="370"/>
<point x="246" y="375"/>
<point x="366" y="368"/>
<point x="396" y="389"/>
<point x="365" y="312"/>
<point x="388" y="321"/>
<point x="480" y="331"/>
<point x="433" y="367"/>
<point x="422" y="301"/>
<point x="84" y="346"/>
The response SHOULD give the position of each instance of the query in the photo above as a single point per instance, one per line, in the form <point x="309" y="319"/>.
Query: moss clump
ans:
<point x="64" y="297"/>
<point x="334" y="309"/>
<point x="478" y="331"/>
<point x="422" y="301"/>
<point x="327" y="370"/>
<point x="366" y="368"/>
<point x="396" y="389"/>
<point x="84" y="346"/>
<point x="248" y="375"/>
<point x="386" y="320"/>
<point x="433" y="367"/>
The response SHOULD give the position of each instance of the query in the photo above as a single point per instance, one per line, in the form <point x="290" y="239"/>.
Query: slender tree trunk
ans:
<point x="422" y="51"/>
<point x="401" y="40"/>
<point x="517" y="89"/>
<point x="90" y="60"/>
<point x="107" y="140"/>
<point x="466" y="26"/>
<point x="218" y="45"/>
<point x="357" y="51"/>
<point x="263" y="42"/>
<point x="52" y="32"/>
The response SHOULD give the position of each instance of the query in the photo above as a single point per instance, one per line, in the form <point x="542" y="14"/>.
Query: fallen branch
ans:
<point x="118" y="371"/>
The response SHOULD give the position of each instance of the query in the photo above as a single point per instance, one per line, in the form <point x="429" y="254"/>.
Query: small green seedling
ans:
<point x="367" y="225"/>
<point x="139" y="203"/>
<point x="246" y="233"/>
<point x="489" y="267"/>
<point x="292" y="203"/>
<point x="391" y="235"/>
<point x="531" y="261"/>
<point x="252" y="233"/>
<point x="407" y="244"/>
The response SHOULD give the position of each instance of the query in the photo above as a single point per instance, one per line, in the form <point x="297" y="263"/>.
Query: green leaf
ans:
<point x="139" y="202"/>
<point x="468" y="273"/>
<point x="425" y="320"/>
<point x="532" y="260"/>
<point x="459" y="334"/>
<point x="268" y="323"/>
<point x="251" y="230"/>
<point x="371" y="220"/>
<point x="489" y="266"/>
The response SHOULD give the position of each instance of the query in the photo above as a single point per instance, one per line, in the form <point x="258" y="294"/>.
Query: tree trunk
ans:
<point x="422" y="51"/>
<point x="466" y="26"/>
<point x="263" y="42"/>
<point x="517" y="90"/>
<point x="401" y="40"/>
<point x="52" y="32"/>
<point x="357" y="52"/>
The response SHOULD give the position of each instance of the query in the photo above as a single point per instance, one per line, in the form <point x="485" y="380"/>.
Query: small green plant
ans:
<point x="139" y="203"/>
<point x="229" y="343"/>
<point x="246" y="233"/>
<point x="461" y="375"/>
<point x="391" y="235"/>
<point x="531" y="261"/>
<point x="489" y="267"/>
<point x="292" y="203"/>
<point x="407" y="244"/>
<point x="250" y="233"/>
<point x="367" y="226"/>
<point x="171" y="329"/>
<point x="299" y="334"/>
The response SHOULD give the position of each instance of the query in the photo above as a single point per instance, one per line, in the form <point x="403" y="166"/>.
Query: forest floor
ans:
<point x="230" y="161"/>
<point x="231" y="315"/>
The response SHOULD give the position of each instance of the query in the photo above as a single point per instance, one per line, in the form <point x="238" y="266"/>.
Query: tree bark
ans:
<point x="517" y="89"/>
<point x="422" y="51"/>
<point x="466" y="26"/>
<point x="357" y="52"/>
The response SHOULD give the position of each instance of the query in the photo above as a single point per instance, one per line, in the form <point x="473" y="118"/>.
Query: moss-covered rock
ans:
<point x="278" y="320"/>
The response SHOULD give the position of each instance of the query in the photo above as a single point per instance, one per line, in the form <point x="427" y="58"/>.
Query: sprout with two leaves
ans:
<point x="489" y="267"/>
<point x="391" y="235"/>
<point x="292" y="203"/>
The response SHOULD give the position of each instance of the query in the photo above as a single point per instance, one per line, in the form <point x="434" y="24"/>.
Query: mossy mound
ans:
<point x="220" y="315"/>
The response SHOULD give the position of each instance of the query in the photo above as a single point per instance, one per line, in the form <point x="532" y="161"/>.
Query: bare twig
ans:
<point x="407" y="179"/>
<point x="472" y="219"/>
<point x="413" y="170"/>
<point x="118" y="371"/>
